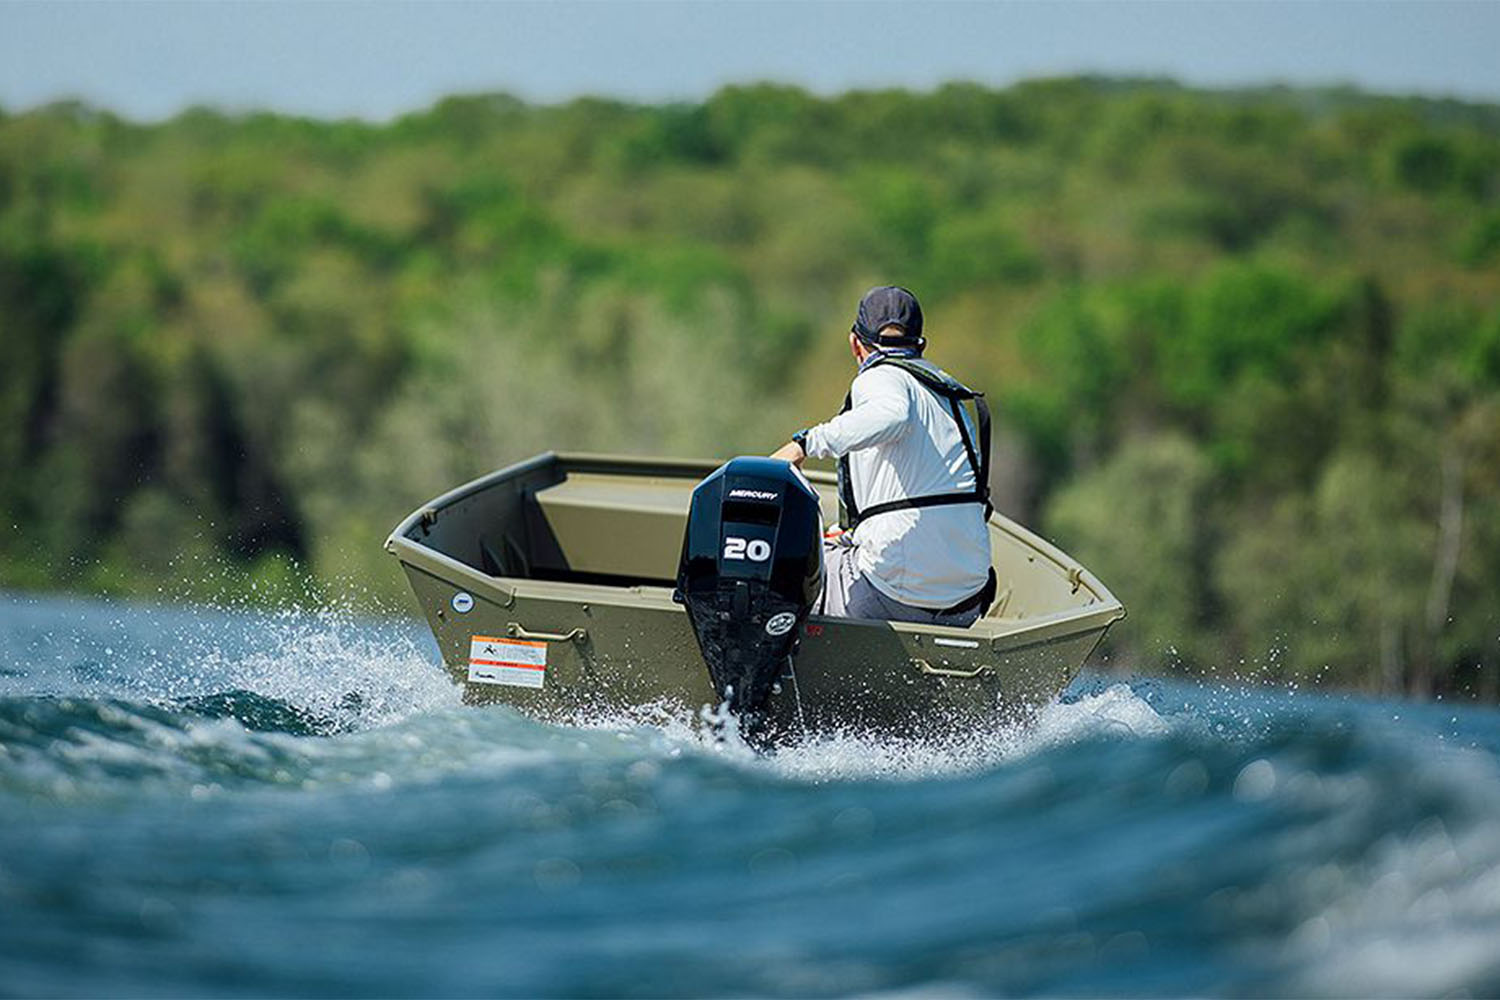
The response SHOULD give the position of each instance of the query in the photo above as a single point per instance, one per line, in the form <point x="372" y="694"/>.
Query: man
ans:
<point x="912" y="479"/>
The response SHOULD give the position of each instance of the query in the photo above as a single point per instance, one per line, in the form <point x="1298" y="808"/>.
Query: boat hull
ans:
<point x="606" y="656"/>
<point x="607" y="649"/>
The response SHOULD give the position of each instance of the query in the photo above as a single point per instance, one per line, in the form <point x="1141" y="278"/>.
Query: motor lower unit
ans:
<point x="751" y="569"/>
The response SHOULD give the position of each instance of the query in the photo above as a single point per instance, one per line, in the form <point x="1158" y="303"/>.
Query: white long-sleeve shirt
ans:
<point x="902" y="442"/>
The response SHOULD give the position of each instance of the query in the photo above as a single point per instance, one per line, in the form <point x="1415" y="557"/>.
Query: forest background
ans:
<point x="1244" y="347"/>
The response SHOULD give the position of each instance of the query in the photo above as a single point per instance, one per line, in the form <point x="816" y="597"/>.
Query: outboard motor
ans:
<point x="752" y="566"/>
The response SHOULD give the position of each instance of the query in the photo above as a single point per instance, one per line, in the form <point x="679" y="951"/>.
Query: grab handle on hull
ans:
<point x="929" y="669"/>
<point x="516" y="631"/>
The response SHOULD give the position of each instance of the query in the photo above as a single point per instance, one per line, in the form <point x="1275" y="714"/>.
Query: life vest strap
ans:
<point x="915" y="503"/>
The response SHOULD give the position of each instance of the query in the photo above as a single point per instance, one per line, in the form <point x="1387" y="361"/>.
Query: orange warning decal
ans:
<point x="514" y="662"/>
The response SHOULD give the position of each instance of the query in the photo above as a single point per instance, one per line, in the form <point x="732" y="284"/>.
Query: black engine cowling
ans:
<point x="752" y="566"/>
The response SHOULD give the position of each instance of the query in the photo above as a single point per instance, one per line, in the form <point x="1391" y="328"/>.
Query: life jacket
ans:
<point x="957" y="394"/>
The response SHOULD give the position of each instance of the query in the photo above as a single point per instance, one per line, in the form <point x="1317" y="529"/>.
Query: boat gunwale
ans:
<point x="1106" y="609"/>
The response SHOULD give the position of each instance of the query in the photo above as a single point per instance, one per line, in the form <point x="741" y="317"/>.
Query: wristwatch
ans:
<point x="800" y="440"/>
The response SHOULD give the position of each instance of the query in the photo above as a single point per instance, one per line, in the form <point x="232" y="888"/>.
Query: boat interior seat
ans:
<point x="611" y="528"/>
<point x="606" y="526"/>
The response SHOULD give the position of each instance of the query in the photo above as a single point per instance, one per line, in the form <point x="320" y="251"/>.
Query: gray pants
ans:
<point x="847" y="594"/>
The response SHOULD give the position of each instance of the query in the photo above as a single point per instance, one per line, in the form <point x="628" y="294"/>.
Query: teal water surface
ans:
<point x="224" y="803"/>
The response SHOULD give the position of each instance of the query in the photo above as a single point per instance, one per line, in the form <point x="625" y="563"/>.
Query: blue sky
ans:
<point x="149" y="60"/>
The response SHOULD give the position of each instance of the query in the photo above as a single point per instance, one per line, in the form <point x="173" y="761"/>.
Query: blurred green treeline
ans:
<point x="1245" y="346"/>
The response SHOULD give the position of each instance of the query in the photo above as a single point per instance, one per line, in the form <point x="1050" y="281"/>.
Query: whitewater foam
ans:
<point x="337" y="667"/>
<point x="1114" y="713"/>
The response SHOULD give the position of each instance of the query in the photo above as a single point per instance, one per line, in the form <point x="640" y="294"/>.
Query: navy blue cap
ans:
<point x="889" y="305"/>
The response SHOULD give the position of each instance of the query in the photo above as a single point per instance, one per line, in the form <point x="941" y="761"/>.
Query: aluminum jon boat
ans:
<point x="556" y="586"/>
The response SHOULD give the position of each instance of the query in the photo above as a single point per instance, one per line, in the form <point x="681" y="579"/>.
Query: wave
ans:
<point x="1143" y="838"/>
<point x="1322" y="854"/>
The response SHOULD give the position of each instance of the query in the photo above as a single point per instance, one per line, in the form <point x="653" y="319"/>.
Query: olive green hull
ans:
<point x="571" y="558"/>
